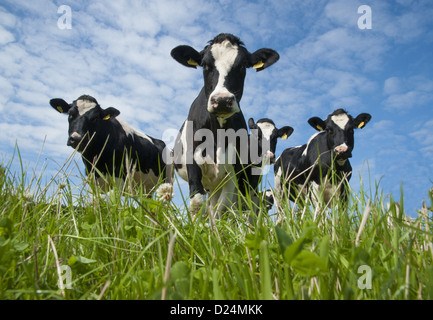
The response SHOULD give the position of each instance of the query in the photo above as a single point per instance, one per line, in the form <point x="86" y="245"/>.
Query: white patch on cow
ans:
<point x="84" y="106"/>
<point x="341" y="148"/>
<point x="131" y="131"/>
<point x="225" y="55"/>
<point x="340" y="120"/>
<point x="196" y="202"/>
<point x="267" y="129"/>
<point x="304" y="154"/>
<point x="76" y="135"/>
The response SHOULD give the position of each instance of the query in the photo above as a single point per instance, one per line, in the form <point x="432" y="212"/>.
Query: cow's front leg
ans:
<point x="196" y="190"/>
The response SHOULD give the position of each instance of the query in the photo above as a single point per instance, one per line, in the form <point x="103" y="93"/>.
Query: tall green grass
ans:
<point x="135" y="247"/>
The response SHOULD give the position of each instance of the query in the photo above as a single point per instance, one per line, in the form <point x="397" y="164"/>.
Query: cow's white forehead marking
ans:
<point x="267" y="129"/>
<point x="84" y="106"/>
<point x="225" y="55"/>
<point x="340" y="120"/>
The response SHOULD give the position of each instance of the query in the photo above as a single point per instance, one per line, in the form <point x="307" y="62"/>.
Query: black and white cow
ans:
<point x="262" y="145"/>
<point x="112" y="147"/>
<point x="326" y="152"/>
<point x="224" y="62"/>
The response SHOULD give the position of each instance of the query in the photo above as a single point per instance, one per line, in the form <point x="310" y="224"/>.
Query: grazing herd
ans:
<point x="214" y="152"/>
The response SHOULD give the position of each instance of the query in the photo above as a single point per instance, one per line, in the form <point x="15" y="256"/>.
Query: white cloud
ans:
<point x="404" y="94"/>
<point x="5" y="36"/>
<point x="424" y="136"/>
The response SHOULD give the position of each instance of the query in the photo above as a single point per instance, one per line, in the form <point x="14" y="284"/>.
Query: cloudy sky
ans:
<point x="119" y="52"/>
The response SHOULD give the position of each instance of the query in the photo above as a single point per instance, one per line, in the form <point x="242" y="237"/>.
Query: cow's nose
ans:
<point x="271" y="157"/>
<point x="222" y="102"/>
<point x="341" y="149"/>
<point x="74" y="139"/>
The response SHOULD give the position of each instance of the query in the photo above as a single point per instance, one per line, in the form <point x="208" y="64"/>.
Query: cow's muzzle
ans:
<point x="343" y="152"/>
<point x="223" y="105"/>
<point x="74" y="140"/>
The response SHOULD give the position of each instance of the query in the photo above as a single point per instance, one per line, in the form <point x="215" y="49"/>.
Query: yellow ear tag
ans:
<point x="258" y="65"/>
<point x="319" y="127"/>
<point x="106" y="117"/>
<point x="284" y="136"/>
<point x="192" y="62"/>
<point x="361" y="125"/>
<point x="60" y="109"/>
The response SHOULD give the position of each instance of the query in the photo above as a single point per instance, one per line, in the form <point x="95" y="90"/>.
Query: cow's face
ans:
<point x="265" y="136"/>
<point x="339" y="127"/>
<point x="224" y="63"/>
<point x="85" y="117"/>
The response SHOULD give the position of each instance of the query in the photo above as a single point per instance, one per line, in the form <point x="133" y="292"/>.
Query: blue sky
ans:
<point x="119" y="52"/>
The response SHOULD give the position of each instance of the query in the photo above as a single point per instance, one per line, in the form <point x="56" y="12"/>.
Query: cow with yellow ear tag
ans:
<point x="110" y="146"/>
<point x="323" y="162"/>
<point x="224" y="61"/>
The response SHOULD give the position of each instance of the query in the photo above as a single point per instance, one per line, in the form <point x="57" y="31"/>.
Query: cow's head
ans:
<point x="339" y="127"/>
<point x="224" y="62"/>
<point x="265" y="136"/>
<point x="85" y="117"/>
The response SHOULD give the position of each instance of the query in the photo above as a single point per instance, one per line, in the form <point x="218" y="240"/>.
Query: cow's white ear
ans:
<point x="263" y="58"/>
<point x="60" y="105"/>
<point x="187" y="56"/>
<point x="361" y="120"/>
<point x="317" y="123"/>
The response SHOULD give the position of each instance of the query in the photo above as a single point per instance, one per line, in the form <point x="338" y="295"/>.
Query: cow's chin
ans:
<point x="223" y="115"/>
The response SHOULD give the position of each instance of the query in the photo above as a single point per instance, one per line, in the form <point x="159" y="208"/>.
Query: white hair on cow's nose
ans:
<point x="75" y="135"/>
<point x="342" y="148"/>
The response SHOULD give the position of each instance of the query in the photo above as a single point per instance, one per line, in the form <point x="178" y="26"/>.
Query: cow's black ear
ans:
<point x="317" y="123"/>
<point x="251" y="124"/>
<point x="263" y="58"/>
<point x="187" y="56"/>
<point x="60" y="105"/>
<point x="284" y="132"/>
<point x="110" y="113"/>
<point x="361" y="120"/>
